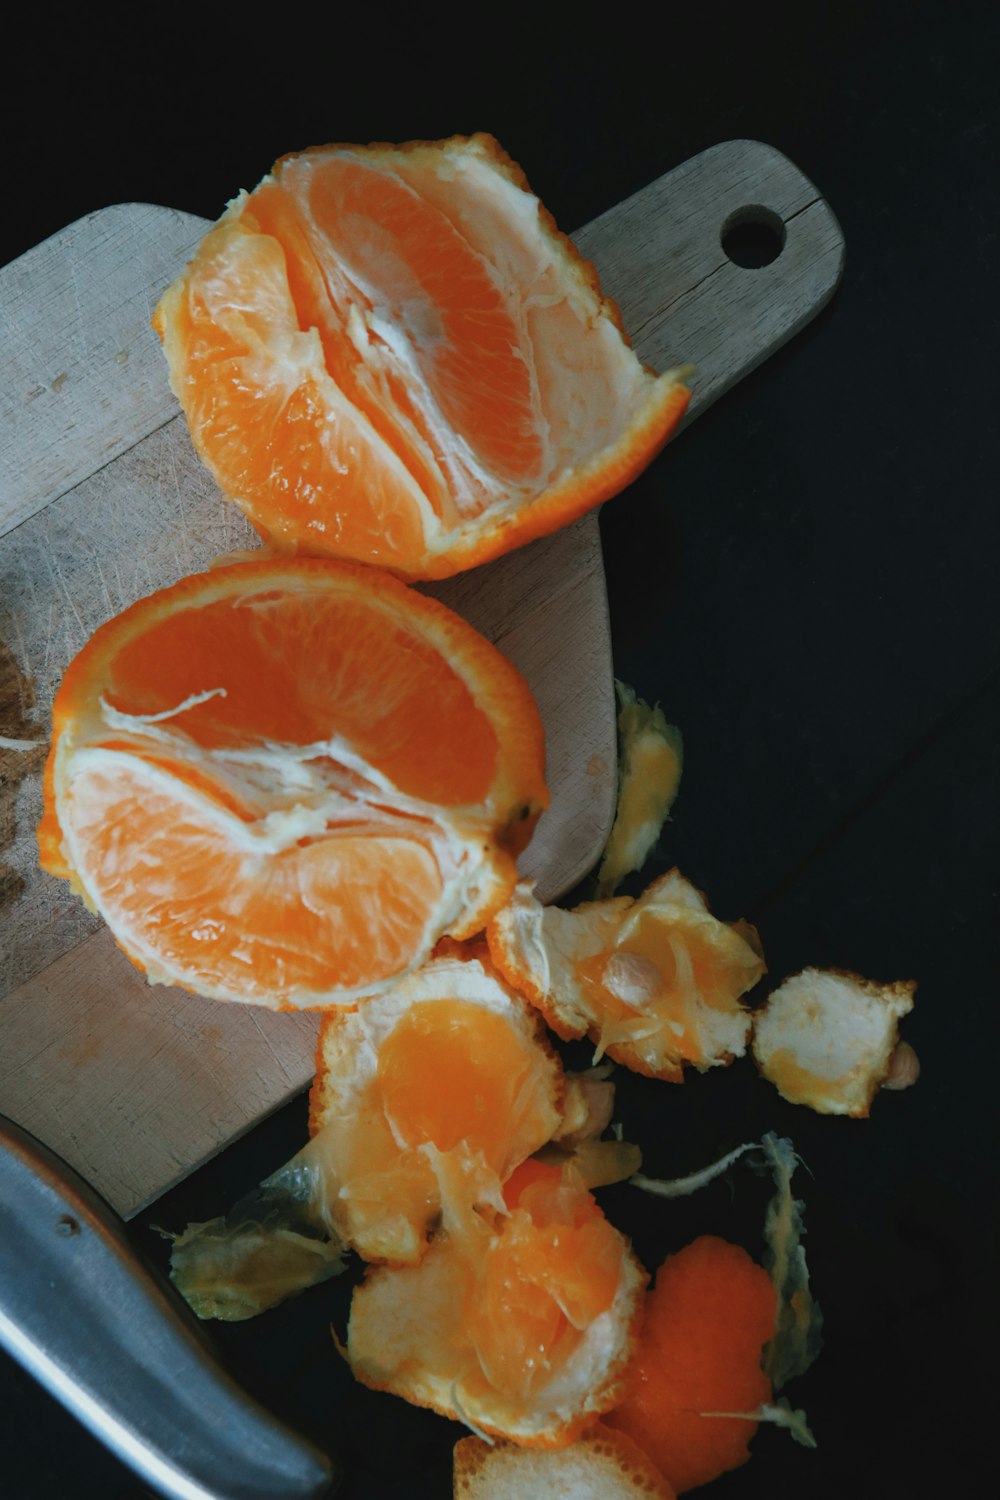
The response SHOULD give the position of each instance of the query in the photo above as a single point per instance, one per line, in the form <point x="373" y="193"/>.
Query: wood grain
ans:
<point x="102" y="500"/>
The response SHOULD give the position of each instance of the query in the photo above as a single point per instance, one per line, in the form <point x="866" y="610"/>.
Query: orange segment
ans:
<point x="392" y="355"/>
<point x="193" y="896"/>
<point x="284" y="782"/>
<point x="522" y="1329"/>
<point x="655" y="982"/>
<point x="271" y="420"/>
<point x="423" y="278"/>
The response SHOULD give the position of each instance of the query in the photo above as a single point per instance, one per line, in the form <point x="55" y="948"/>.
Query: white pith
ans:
<point x="304" y="793"/>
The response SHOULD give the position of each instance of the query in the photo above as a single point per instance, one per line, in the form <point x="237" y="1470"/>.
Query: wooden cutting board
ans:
<point x="102" y="500"/>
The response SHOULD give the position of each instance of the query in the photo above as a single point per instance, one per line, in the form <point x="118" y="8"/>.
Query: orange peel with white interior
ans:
<point x="447" y="1059"/>
<point x="655" y="982"/>
<point x="826" y="1038"/>
<point x="601" y="1465"/>
<point x="698" y="1364"/>
<point x="520" y="1318"/>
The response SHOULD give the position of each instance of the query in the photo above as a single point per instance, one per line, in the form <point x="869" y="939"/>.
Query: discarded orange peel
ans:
<point x="655" y="982"/>
<point x="601" y="1465"/>
<point x="826" y="1038"/>
<point x="449" y="1057"/>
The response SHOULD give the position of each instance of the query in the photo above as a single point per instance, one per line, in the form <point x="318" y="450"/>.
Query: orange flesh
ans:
<point x="450" y="1072"/>
<point x="316" y="774"/>
<point x="392" y="355"/>
<point x="707" y="1319"/>
<point x="289" y="665"/>
<point x="443" y="296"/>
<point x="337" y="483"/>
<point x="554" y="1269"/>
<point x="173" y="876"/>
<point x="313" y="300"/>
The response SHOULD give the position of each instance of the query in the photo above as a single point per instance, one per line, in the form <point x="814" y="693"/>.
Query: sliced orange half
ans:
<point x="391" y="354"/>
<point x="283" y="782"/>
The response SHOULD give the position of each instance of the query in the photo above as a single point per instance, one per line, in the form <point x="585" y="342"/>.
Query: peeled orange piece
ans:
<point x="283" y="782"/>
<point x="655" y="982"/>
<point x="518" y="1323"/>
<point x="391" y="354"/>
<point x="449" y="1058"/>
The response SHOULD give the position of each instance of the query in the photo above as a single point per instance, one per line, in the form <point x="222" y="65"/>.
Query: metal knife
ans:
<point x="123" y="1353"/>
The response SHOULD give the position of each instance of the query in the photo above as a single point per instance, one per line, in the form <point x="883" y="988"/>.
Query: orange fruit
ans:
<point x="518" y="1321"/>
<point x="282" y="782"/>
<point x="449" y="1057"/>
<point x="390" y="354"/>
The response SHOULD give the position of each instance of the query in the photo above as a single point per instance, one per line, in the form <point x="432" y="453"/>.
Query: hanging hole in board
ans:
<point x="753" y="237"/>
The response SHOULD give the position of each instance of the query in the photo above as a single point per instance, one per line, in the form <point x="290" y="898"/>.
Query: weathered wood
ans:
<point x="83" y="375"/>
<point x="102" y="500"/>
<point x="207" y="1069"/>
<point x="694" y="305"/>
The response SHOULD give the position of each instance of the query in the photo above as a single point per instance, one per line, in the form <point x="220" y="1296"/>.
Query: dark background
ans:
<point x="805" y="580"/>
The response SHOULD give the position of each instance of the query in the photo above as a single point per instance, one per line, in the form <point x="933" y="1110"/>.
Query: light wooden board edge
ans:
<point x="660" y="256"/>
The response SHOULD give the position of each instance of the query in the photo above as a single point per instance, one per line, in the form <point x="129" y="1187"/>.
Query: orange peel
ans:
<point x="655" y="982"/>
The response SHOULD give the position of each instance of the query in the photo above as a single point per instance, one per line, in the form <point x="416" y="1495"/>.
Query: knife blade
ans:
<point x="122" y="1352"/>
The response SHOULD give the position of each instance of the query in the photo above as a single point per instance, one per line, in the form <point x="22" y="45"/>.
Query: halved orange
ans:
<point x="283" y="782"/>
<point x="390" y="354"/>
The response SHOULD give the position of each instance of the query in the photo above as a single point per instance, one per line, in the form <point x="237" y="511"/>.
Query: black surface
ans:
<point x="805" y="580"/>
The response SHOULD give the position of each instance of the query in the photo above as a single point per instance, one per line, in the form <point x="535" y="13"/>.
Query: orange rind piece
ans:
<point x="655" y="982"/>
<point x="707" y="1319"/>
<point x="601" y="1465"/>
<point x="827" y="1039"/>
<point x="449" y="1058"/>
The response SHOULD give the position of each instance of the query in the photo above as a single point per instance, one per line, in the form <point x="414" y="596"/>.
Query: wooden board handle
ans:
<point x="699" y="307"/>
